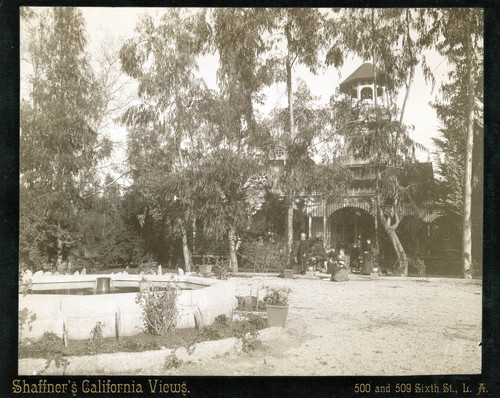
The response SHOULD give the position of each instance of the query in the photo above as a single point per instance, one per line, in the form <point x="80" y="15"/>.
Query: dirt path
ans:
<point x="364" y="327"/>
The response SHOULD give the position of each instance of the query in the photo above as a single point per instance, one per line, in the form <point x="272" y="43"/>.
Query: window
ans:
<point x="366" y="93"/>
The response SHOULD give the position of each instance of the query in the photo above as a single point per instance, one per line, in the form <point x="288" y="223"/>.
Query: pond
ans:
<point x="64" y="288"/>
<point x="67" y="304"/>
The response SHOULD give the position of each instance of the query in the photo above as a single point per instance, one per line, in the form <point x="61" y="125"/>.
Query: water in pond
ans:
<point x="85" y="291"/>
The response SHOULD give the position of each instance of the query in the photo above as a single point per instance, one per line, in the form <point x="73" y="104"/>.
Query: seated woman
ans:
<point x="339" y="270"/>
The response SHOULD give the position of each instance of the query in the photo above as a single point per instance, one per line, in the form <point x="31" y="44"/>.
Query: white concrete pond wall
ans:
<point x="76" y="315"/>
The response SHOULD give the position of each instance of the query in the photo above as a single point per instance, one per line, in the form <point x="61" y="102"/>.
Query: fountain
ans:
<point x="73" y="304"/>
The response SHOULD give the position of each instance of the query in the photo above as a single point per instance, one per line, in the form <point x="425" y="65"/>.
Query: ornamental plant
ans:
<point x="159" y="308"/>
<point x="277" y="295"/>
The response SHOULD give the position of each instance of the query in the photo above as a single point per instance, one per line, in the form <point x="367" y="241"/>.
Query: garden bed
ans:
<point x="49" y="346"/>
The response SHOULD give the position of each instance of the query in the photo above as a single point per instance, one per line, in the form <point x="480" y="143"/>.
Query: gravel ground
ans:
<point x="389" y="326"/>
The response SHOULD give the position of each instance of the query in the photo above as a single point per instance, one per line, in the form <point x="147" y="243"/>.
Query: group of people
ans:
<point x="311" y="255"/>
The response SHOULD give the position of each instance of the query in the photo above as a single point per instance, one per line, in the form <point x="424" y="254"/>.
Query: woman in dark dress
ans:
<point x="339" y="271"/>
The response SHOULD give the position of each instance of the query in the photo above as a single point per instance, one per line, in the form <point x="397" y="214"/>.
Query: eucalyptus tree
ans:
<point x="387" y="38"/>
<point x="163" y="59"/>
<point x="313" y="151"/>
<point x="458" y="35"/>
<point x="295" y="36"/>
<point x="225" y="195"/>
<point x="231" y="117"/>
<point x="59" y="144"/>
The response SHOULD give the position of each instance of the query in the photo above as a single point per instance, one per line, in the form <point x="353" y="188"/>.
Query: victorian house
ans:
<point x="352" y="220"/>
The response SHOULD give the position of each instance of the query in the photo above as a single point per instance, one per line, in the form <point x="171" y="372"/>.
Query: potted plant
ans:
<point x="206" y="267"/>
<point x="276" y="300"/>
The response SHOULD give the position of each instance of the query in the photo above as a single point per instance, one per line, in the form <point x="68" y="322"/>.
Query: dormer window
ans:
<point x="366" y="93"/>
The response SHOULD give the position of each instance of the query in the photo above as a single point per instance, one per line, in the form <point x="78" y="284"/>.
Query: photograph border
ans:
<point x="243" y="386"/>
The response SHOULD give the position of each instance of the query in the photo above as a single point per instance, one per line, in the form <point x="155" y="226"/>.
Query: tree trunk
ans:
<point x="411" y="72"/>
<point x="188" y="261"/>
<point x="289" y="229"/>
<point x="325" y="223"/>
<point x="233" y="260"/>
<point x="396" y="243"/>
<point x="289" y="88"/>
<point x="59" y="259"/>
<point x="407" y="94"/>
<point x="400" y="251"/>
<point x="467" y="224"/>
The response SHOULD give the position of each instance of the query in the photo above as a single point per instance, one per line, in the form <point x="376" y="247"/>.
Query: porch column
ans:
<point x="324" y="225"/>
<point x="355" y="227"/>
<point x="310" y="226"/>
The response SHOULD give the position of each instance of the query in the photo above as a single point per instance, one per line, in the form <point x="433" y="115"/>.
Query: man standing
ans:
<point x="318" y="252"/>
<point x="303" y="253"/>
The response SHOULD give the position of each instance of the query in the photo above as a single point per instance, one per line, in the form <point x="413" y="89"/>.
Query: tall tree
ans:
<point x="59" y="146"/>
<point x="225" y="192"/>
<point x="383" y="36"/>
<point x="296" y="37"/>
<point x="242" y="73"/>
<point x="458" y="35"/>
<point x="163" y="59"/>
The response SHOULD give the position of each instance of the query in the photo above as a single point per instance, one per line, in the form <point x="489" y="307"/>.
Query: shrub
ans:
<point x="26" y="318"/>
<point x="159" y="308"/>
<point x="48" y="346"/>
<point x="149" y="267"/>
<point x="221" y="319"/>
<point x="416" y="266"/>
<point x="251" y="341"/>
<point x="264" y="256"/>
<point x="172" y="361"/>
<point x="257" y="321"/>
<point x="96" y="338"/>
<point x="221" y="269"/>
<point x="251" y="324"/>
<point x="211" y="333"/>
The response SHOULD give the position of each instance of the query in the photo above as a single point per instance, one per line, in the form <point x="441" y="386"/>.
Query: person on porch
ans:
<point x="354" y="259"/>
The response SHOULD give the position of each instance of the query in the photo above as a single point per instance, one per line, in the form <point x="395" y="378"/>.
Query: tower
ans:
<point x="360" y="86"/>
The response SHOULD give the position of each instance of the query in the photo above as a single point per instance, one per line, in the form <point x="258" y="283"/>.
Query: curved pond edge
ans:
<point x="74" y="316"/>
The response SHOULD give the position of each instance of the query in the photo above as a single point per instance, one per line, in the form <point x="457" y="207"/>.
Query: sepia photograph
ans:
<point x="250" y="192"/>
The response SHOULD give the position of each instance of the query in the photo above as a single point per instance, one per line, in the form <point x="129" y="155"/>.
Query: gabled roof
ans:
<point x="364" y="72"/>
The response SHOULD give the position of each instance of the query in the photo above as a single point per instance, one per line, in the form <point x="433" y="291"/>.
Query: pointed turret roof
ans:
<point x="364" y="72"/>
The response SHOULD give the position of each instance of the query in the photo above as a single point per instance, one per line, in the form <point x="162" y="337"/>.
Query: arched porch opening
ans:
<point x="350" y="226"/>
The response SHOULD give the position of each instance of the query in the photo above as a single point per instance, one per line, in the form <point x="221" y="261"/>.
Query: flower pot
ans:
<point x="309" y="274"/>
<point x="205" y="268"/>
<point x="288" y="273"/>
<point x="276" y="314"/>
<point x="373" y="275"/>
